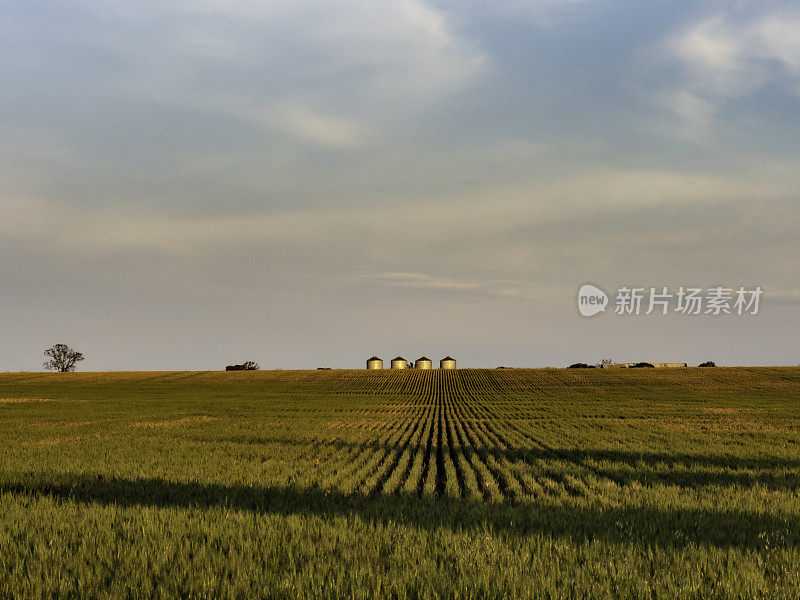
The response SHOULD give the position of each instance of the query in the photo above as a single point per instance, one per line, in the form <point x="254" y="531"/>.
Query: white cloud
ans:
<point x="311" y="124"/>
<point x="427" y="223"/>
<point x="723" y="57"/>
<point x="694" y="111"/>
<point x="420" y="280"/>
<point x="496" y="288"/>
<point x="782" y="296"/>
<point x="547" y="235"/>
<point x="328" y="72"/>
<point x="780" y="39"/>
<point x="709" y="48"/>
<point x="404" y="49"/>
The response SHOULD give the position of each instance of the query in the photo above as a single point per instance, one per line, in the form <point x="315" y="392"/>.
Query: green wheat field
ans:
<point x="475" y="483"/>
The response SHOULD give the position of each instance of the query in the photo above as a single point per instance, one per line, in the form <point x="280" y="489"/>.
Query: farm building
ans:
<point x="423" y="362"/>
<point x="448" y="362"/>
<point x="660" y="365"/>
<point x="399" y="362"/>
<point x="374" y="363"/>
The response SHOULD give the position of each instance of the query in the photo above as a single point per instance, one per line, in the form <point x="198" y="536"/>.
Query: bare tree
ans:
<point x="62" y="358"/>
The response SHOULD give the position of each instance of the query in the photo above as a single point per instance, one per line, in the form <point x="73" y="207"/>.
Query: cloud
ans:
<point x="782" y="296"/>
<point x="477" y="229"/>
<point x="645" y="228"/>
<point x="492" y="288"/>
<point x="326" y="72"/>
<point x="727" y="56"/>
<point x="309" y="124"/>
<point x="694" y="112"/>
<point x="419" y="280"/>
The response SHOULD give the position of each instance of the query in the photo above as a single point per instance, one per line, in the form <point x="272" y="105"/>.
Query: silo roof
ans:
<point x="423" y="358"/>
<point x="398" y="358"/>
<point x="374" y="358"/>
<point x="448" y="358"/>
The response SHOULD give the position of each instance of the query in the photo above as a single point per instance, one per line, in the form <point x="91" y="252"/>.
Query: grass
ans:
<point x="513" y="483"/>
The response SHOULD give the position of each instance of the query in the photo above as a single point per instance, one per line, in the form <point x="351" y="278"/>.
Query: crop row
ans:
<point x="446" y="435"/>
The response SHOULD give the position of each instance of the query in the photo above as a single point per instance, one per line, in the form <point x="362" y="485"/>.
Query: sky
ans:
<point x="191" y="184"/>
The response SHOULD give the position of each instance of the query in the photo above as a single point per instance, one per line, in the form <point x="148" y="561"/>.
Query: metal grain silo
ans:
<point x="423" y="362"/>
<point x="448" y="362"/>
<point x="399" y="363"/>
<point x="374" y="363"/>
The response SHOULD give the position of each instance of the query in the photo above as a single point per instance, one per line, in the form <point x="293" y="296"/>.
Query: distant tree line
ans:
<point x="247" y="365"/>
<point x="608" y="361"/>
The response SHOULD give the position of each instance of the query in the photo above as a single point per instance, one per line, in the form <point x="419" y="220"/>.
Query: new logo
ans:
<point x="591" y="300"/>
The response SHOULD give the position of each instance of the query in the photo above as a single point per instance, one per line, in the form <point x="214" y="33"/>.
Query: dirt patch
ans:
<point x="25" y="400"/>
<point x="63" y="424"/>
<point x="174" y="422"/>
